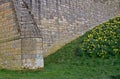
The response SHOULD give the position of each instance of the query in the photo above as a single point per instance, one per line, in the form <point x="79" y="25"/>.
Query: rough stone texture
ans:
<point x="60" y="21"/>
<point x="30" y="29"/>
<point x="10" y="46"/>
<point x="32" y="53"/>
<point x="20" y="44"/>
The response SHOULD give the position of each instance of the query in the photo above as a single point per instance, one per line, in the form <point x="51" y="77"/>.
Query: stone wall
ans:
<point x="10" y="45"/>
<point x="16" y="50"/>
<point x="8" y="25"/>
<point x="31" y="55"/>
<point x="10" y="55"/>
<point x="61" y="21"/>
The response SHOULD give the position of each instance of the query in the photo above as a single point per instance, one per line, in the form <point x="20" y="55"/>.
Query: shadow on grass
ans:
<point x="115" y="77"/>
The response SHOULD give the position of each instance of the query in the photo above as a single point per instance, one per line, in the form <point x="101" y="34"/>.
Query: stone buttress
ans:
<point x="20" y="38"/>
<point x="33" y="29"/>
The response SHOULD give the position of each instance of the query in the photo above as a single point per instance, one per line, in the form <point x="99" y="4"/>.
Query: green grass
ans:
<point x="68" y="63"/>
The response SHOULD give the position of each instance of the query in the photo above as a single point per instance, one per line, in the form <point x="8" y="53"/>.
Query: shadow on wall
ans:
<point x="114" y="77"/>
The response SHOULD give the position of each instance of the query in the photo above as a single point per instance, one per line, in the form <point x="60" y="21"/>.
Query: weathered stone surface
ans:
<point x="31" y="29"/>
<point x="61" y="20"/>
<point x="32" y="57"/>
<point x="18" y="50"/>
<point x="10" y="47"/>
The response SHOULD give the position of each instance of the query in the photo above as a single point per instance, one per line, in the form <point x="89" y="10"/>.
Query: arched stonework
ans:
<point x="31" y="29"/>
